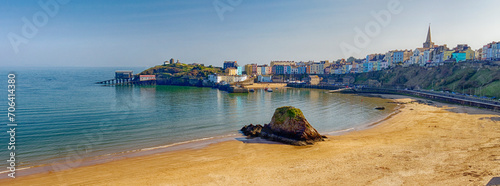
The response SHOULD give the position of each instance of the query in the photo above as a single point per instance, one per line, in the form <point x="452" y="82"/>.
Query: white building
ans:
<point x="384" y="64"/>
<point x="317" y="68"/>
<point x="216" y="78"/>
<point x="495" y="50"/>
<point x="265" y="78"/>
<point x="388" y="58"/>
<point x="427" y="57"/>
<point x="417" y="55"/>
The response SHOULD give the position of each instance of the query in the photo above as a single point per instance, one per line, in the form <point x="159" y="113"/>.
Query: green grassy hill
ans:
<point x="181" y="74"/>
<point x="180" y="70"/>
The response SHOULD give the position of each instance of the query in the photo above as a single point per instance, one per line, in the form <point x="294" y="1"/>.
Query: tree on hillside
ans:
<point x="351" y="59"/>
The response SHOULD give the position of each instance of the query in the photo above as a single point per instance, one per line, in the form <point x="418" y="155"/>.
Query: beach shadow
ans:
<point x="491" y="118"/>
<point x="258" y="140"/>
<point x="470" y="110"/>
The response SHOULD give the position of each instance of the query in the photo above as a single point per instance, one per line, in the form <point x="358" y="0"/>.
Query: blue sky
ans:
<point x="146" y="33"/>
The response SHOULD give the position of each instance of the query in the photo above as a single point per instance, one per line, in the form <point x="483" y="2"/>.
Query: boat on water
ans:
<point x="252" y="90"/>
<point x="270" y="90"/>
<point x="380" y="108"/>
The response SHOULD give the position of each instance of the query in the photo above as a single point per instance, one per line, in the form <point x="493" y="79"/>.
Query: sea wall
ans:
<point x="495" y="106"/>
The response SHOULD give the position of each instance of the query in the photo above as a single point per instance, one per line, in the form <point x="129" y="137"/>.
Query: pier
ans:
<point x="128" y="81"/>
<point x="126" y="77"/>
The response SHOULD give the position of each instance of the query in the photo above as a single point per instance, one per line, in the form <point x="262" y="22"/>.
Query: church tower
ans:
<point x="428" y="42"/>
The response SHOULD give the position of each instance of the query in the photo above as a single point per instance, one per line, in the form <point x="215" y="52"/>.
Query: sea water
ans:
<point x="62" y="114"/>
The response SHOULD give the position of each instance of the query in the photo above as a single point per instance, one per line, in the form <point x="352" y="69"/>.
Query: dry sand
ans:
<point x="266" y="85"/>
<point x="422" y="145"/>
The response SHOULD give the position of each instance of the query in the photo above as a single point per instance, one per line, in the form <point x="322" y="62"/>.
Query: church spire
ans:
<point x="428" y="42"/>
<point x="429" y="35"/>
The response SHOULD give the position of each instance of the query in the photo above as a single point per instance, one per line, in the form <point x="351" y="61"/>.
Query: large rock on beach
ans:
<point x="288" y="125"/>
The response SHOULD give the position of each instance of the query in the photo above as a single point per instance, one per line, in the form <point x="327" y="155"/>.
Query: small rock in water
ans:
<point x="251" y="130"/>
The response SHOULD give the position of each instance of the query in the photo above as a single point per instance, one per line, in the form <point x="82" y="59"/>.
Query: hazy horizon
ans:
<point x="146" y="33"/>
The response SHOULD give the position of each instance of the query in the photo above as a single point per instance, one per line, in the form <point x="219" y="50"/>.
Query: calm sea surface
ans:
<point x="61" y="112"/>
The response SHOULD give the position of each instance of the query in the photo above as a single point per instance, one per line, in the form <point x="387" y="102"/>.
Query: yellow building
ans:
<point x="447" y="54"/>
<point x="248" y="69"/>
<point x="469" y="54"/>
<point x="231" y="71"/>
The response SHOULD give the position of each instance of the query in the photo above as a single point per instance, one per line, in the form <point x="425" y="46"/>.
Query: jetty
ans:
<point x="126" y="77"/>
<point x="117" y="82"/>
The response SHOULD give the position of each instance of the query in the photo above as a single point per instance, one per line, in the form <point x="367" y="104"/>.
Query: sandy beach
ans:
<point x="266" y="85"/>
<point x="421" y="145"/>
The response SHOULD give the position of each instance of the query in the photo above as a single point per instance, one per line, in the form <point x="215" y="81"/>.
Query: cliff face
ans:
<point x="179" y="81"/>
<point x="288" y="125"/>
<point x="467" y="78"/>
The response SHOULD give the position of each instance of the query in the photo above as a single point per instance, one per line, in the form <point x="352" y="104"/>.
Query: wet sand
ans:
<point x="421" y="145"/>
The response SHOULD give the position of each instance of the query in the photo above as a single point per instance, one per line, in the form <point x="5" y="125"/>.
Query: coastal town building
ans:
<point x="217" y="78"/>
<point x="229" y="64"/>
<point x="427" y="57"/>
<point x="417" y="56"/>
<point x="283" y="63"/>
<point x="251" y="69"/>
<point x="491" y="51"/>
<point x="232" y="71"/>
<point x="171" y="61"/>
<point x="459" y="56"/>
<point x="259" y="70"/>
<point x="436" y="53"/>
<point x="388" y="57"/>
<point x="263" y="70"/>
<point x="496" y="50"/>
<point x="478" y="54"/>
<point x="400" y="56"/>
<point x="123" y="74"/>
<point x="317" y="68"/>
<point x="469" y="54"/>
<point x="294" y="69"/>
<point x="312" y="79"/>
<point x="265" y="78"/>
<point x="446" y="56"/>
<point x="429" y="54"/>
<point x="147" y="77"/>
<point x="302" y="69"/>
